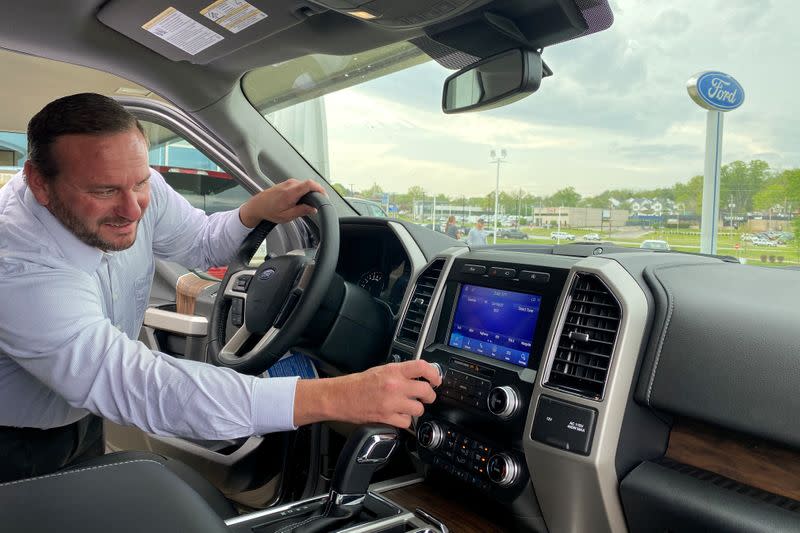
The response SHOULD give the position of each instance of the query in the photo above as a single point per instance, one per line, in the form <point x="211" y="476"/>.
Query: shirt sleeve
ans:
<point x="187" y="235"/>
<point x="83" y="359"/>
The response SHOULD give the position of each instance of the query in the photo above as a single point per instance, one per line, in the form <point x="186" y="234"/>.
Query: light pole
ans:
<point x="497" y="157"/>
<point x="731" y="205"/>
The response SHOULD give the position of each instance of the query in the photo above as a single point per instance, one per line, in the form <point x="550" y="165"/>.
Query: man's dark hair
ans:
<point x="84" y="113"/>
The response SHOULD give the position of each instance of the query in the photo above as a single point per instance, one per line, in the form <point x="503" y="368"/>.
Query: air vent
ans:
<point x="420" y="300"/>
<point x="586" y="343"/>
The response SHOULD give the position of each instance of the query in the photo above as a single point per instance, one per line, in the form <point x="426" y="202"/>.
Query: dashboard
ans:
<point x="583" y="383"/>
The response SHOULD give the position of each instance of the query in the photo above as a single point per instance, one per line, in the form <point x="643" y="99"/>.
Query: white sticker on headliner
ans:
<point x="182" y="31"/>
<point x="233" y="15"/>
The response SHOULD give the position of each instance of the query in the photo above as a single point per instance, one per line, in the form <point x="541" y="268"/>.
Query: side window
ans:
<point x="196" y="177"/>
<point x="192" y="174"/>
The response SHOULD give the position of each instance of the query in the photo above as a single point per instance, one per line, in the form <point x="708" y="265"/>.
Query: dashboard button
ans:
<point x="564" y="425"/>
<point x="473" y="269"/>
<point x="505" y="273"/>
<point x="535" y="277"/>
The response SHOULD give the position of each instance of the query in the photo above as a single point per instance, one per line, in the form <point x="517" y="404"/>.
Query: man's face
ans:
<point x="102" y="189"/>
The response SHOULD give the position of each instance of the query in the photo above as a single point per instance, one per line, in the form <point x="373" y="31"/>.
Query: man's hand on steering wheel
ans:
<point x="278" y="204"/>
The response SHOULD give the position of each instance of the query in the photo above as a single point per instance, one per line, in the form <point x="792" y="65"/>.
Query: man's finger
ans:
<point x="421" y="369"/>
<point x="302" y="187"/>
<point x="299" y="210"/>
<point x="412" y="407"/>
<point x="400" y="421"/>
<point x="421" y="390"/>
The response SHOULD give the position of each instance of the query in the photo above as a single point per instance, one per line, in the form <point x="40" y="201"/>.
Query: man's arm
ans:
<point x="389" y="394"/>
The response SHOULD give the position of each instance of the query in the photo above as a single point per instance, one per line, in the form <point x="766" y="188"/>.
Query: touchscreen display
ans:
<point x="495" y="323"/>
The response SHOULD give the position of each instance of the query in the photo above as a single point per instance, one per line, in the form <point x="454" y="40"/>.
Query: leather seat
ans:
<point x="124" y="493"/>
<point x="201" y="485"/>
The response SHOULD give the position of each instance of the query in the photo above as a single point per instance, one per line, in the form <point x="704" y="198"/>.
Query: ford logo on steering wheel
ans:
<point x="266" y="274"/>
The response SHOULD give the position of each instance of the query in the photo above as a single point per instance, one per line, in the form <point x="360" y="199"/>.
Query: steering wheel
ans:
<point x="276" y="301"/>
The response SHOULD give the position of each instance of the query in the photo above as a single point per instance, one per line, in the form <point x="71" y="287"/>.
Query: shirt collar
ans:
<point x="75" y="251"/>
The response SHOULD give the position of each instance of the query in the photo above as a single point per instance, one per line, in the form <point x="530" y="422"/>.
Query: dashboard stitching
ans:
<point x="661" y="340"/>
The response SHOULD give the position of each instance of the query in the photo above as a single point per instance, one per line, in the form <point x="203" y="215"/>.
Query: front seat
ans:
<point x="127" y="492"/>
<point x="213" y="497"/>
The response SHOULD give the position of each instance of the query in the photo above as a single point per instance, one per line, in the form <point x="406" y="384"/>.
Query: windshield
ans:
<point x="611" y="147"/>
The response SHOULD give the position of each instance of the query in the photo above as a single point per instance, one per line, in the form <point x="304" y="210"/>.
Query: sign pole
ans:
<point x="711" y="183"/>
<point x="718" y="93"/>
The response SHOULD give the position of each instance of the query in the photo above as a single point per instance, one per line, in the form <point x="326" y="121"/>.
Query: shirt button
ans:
<point x="114" y="297"/>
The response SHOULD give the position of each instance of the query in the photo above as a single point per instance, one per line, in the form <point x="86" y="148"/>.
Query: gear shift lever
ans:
<point x="367" y="449"/>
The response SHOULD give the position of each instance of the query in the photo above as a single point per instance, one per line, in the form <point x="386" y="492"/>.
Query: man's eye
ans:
<point x="106" y="193"/>
<point x="141" y="185"/>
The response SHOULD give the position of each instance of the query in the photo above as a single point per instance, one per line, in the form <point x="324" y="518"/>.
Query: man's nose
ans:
<point x="129" y="206"/>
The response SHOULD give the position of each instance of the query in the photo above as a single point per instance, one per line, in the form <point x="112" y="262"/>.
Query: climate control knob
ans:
<point x="430" y="435"/>
<point x="503" y="402"/>
<point x="503" y="470"/>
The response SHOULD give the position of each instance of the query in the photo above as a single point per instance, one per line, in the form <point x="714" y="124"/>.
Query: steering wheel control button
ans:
<point x="503" y="402"/>
<point x="564" y="425"/>
<point x="539" y="278"/>
<point x="237" y="312"/>
<point x="505" y="273"/>
<point x="241" y="284"/>
<point x="430" y="435"/>
<point x="478" y="270"/>
<point x="503" y="470"/>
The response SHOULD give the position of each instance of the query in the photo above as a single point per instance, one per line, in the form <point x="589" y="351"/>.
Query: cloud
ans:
<point x="615" y="114"/>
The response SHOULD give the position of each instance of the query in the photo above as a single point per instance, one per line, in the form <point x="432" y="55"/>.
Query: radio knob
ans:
<point x="430" y="435"/>
<point x="503" y="470"/>
<point x="439" y="370"/>
<point x="503" y="402"/>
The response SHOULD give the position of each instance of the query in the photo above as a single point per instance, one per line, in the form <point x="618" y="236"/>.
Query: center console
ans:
<point x="487" y="329"/>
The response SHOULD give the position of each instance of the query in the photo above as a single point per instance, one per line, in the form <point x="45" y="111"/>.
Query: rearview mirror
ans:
<point x="494" y="81"/>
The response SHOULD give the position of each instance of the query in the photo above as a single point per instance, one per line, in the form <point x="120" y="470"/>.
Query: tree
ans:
<point x="373" y="192"/>
<point x="690" y="194"/>
<point x="740" y="182"/>
<point x="567" y="197"/>
<point x="341" y="189"/>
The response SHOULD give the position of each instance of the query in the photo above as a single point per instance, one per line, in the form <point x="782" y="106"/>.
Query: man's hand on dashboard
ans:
<point x="387" y="394"/>
<point x="279" y="203"/>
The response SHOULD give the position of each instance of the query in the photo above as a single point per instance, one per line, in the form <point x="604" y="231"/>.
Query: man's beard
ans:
<point x="60" y="210"/>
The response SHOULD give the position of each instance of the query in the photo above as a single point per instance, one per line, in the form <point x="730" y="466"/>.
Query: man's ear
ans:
<point x="39" y="186"/>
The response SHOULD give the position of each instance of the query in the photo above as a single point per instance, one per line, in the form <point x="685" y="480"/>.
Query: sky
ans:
<point x="615" y="114"/>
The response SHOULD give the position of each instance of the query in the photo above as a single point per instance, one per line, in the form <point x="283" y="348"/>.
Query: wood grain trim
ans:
<point x="187" y="289"/>
<point x="452" y="505"/>
<point x="749" y="460"/>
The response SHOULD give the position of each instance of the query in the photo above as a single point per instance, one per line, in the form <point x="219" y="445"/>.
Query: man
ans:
<point x="476" y="236"/>
<point x="79" y="230"/>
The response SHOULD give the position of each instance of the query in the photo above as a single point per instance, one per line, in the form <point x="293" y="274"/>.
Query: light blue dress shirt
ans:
<point x="69" y="314"/>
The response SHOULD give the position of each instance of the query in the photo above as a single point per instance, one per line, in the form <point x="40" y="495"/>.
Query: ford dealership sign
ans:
<point x="715" y="91"/>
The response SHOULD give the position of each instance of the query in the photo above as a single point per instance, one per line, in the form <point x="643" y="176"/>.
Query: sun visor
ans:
<point x="405" y="14"/>
<point x="200" y="32"/>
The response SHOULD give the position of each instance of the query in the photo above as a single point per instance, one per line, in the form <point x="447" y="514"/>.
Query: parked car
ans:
<point x="591" y="237"/>
<point x="655" y="244"/>
<point x="365" y="207"/>
<point x="764" y="242"/>
<point x="512" y="234"/>
<point x="562" y="235"/>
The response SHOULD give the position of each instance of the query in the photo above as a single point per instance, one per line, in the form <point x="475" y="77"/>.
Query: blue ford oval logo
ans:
<point x="266" y="274"/>
<point x="716" y="91"/>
